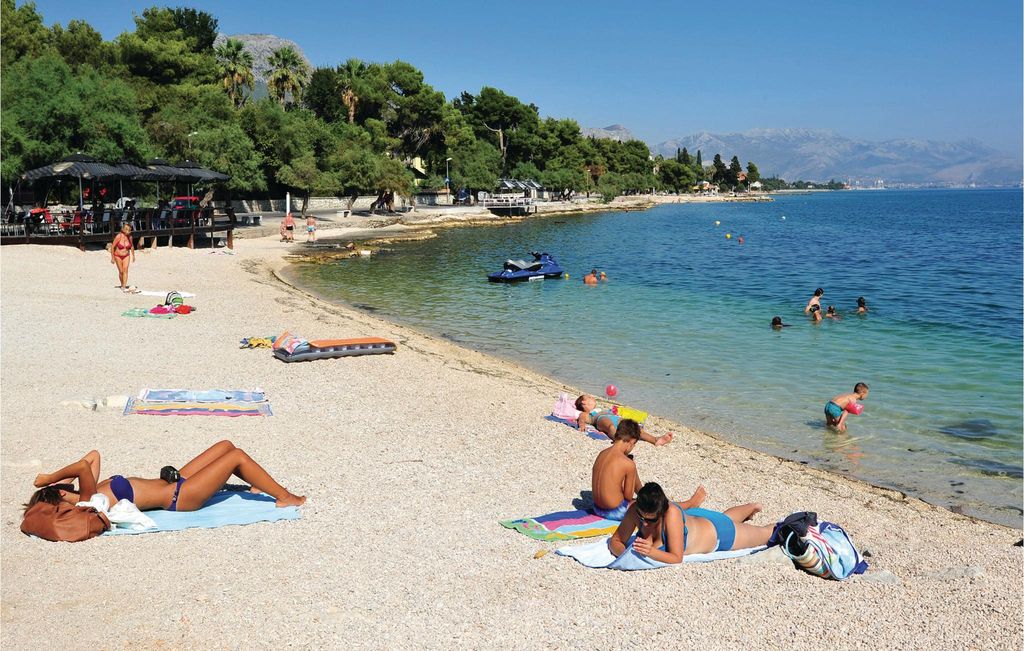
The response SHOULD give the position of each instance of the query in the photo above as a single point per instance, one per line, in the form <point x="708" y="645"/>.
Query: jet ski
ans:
<point x="543" y="266"/>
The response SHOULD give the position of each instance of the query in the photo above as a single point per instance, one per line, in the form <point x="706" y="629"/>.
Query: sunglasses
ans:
<point x="650" y="520"/>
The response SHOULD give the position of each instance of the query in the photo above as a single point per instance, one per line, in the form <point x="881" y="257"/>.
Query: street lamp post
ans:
<point x="448" y="180"/>
<point x="189" y="136"/>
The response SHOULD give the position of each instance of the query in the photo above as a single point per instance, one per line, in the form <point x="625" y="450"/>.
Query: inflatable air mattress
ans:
<point x="328" y="348"/>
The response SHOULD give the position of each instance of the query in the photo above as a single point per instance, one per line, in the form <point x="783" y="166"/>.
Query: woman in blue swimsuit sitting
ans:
<point x="199" y="479"/>
<point x="665" y="532"/>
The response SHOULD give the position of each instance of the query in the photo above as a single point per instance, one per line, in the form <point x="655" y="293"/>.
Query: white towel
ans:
<point x="124" y="514"/>
<point x="598" y="555"/>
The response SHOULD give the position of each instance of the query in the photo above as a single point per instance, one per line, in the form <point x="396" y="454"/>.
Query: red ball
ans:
<point x="611" y="390"/>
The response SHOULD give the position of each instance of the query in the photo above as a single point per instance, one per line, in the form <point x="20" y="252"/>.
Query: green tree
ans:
<point x="235" y="70"/>
<point x="686" y="159"/>
<point x="476" y="165"/>
<point x="80" y="44"/>
<point x="732" y="176"/>
<point x="675" y="176"/>
<point x="752" y="173"/>
<point x="720" y="171"/>
<point x="22" y="32"/>
<point x="198" y="27"/>
<point x="159" y="53"/>
<point x="698" y="168"/>
<point x="289" y="75"/>
<point x="49" y="112"/>
<point x="321" y="95"/>
<point x="351" y="83"/>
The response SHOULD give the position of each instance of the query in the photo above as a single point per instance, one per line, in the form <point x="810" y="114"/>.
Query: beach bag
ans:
<point x="174" y="299"/>
<point x="565" y="408"/>
<point x="63" y="522"/>
<point x="820" y="548"/>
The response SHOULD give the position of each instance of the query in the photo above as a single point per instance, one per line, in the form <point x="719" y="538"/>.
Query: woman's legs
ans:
<point x="751" y="535"/>
<point x="122" y="270"/>
<point x="743" y="512"/>
<point x="209" y="479"/>
<point x="216" y="450"/>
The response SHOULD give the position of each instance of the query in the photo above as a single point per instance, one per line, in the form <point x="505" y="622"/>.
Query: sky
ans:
<point x="937" y="70"/>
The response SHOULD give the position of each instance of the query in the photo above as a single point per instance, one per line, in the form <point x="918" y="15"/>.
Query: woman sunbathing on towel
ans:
<point x="667" y="532"/>
<point x="199" y="479"/>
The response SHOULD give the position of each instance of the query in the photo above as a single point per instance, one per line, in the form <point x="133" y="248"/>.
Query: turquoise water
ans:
<point x="682" y="325"/>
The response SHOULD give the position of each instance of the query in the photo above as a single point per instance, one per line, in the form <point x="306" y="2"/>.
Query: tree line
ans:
<point x="166" y="90"/>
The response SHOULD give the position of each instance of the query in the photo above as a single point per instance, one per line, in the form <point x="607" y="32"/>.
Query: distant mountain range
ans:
<point x="820" y="155"/>
<point x="613" y="132"/>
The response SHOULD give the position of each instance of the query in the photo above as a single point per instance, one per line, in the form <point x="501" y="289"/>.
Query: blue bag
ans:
<point x="827" y="551"/>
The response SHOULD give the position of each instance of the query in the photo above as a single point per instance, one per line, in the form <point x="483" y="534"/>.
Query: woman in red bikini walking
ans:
<point x="122" y="253"/>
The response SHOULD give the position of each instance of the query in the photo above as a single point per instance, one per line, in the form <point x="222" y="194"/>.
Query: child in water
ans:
<point x="815" y="311"/>
<point x="607" y="422"/>
<point x="815" y="300"/>
<point x="862" y="306"/>
<point x="831" y="313"/>
<point x="836" y="409"/>
<point x="614" y="480"/>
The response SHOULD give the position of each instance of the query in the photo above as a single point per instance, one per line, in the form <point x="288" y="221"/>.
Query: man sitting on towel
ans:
<point x="614" y="481"/>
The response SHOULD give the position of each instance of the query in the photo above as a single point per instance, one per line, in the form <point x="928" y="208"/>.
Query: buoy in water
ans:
<point x="728" y="236"/>
<point x="611" y="390"/>
<point x="783" y="218"/>
<point x="717" y="222"/>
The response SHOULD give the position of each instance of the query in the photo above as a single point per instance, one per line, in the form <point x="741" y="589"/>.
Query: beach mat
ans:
<point x="144" y="313"/>
<point x="225" y="508"/>
<point x="208" y="395"/>
<point x="562" y="525"/>
<point x="231" y="409"/>
<point x="597" y="555"/>
<point x="591" y="432"/>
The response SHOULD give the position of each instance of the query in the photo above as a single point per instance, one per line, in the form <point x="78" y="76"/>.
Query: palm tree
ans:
<point x="350" y="82"/>
<point x="289" y="74"/>
<point x="235" y="69"/>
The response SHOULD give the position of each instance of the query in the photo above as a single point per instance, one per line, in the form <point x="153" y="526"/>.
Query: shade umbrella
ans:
<point x="78" y="166"/>
<point x="202" y="173"/>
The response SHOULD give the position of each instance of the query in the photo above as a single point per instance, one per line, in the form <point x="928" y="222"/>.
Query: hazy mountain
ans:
<point x="613" y="132"/>
<point x="820" y="155"/>
<point x="261" y="46"/>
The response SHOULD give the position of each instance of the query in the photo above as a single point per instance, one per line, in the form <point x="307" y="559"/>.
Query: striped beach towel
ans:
<point x="563" y="525"/>
<point x="231" y="409"/>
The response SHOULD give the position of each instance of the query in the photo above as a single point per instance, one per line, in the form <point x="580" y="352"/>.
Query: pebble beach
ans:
<point x="408" y="462"/>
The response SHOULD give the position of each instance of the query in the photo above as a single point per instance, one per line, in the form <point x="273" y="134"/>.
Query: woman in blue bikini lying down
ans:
<point x="667" y="532"/>
<point x="199" y="479"/>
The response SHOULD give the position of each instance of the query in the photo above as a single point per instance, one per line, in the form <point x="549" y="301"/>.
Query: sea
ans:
<point x="682" y="328"/>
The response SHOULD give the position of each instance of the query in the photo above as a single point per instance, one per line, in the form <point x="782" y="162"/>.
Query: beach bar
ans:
<point x="181" y="222"/>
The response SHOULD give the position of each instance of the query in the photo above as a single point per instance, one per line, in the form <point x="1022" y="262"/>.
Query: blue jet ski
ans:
<point x="543" y="266"/>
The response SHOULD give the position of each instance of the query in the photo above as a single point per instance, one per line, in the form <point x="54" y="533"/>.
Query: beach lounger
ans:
<point x="328" y="348"/>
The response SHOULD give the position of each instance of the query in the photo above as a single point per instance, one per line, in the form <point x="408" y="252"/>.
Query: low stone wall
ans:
<point x="315" y="204"/>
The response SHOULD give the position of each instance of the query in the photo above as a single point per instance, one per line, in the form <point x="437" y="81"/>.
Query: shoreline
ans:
<point x="281" y="273"/>
<point x="408" y="461"/>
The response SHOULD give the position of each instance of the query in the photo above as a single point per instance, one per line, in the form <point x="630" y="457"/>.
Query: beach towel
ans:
<point x="139" y="312"/>
<point x="209" y="395"/>
<point x="563" y="525"/>
<point x="590" y="431"/>
<point x="223" y="509"/>
<point x="597" y="555"/>
<point x="257" y="342"/>
<point x="146" y="408"/>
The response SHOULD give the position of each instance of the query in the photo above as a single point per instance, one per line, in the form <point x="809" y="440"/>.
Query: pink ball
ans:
<point x="611" y="390"/>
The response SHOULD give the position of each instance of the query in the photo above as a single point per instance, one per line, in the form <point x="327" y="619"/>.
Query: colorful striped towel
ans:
<point x="208" y="395"/>
<point x="591" y="432"/>
<point x="563" y="525"/>
<point x="223" y="509"/>
<point x="136" y="406"/>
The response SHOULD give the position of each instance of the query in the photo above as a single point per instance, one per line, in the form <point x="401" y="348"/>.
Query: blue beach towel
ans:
<point x="211" y="395"/>
<point x="597" y="555"/>
<point x="591" y="432"/>
<point x="223" y="509"/>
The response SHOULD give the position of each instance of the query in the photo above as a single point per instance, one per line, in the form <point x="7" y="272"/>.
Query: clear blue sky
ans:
<point x="940" y="70"/>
